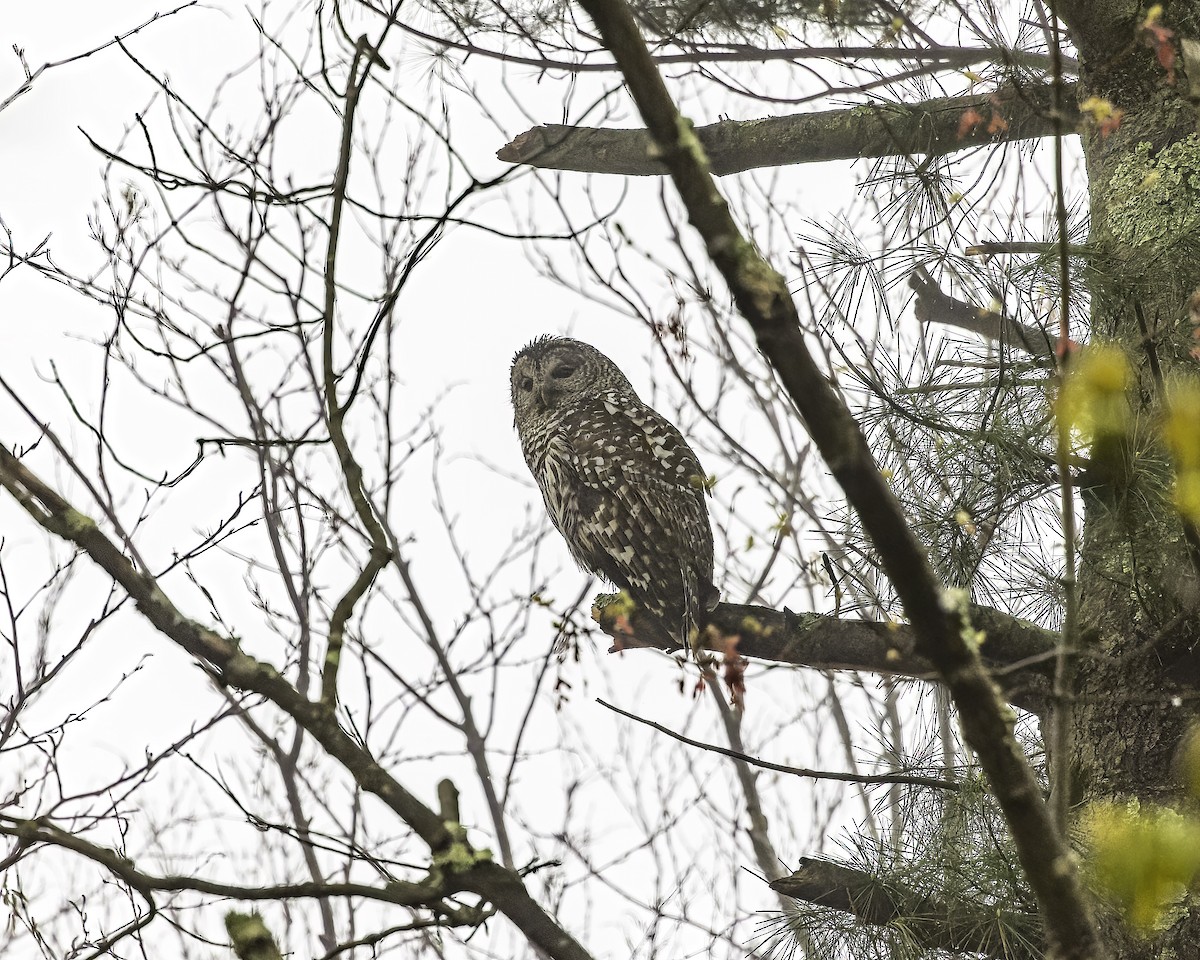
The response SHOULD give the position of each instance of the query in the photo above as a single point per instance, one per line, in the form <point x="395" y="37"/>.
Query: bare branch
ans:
<point x="31" y="76"/>
<point x="32" y="832"/>
<point x="471" y="870"/>
<point x="913" y="780"/>
<point x="335" y="412"/>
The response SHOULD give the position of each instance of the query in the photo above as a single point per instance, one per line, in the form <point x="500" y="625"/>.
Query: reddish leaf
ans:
<point x="735" y="680"/>
<point x="1160" y="39"/>
<point x="970" y="119"/>
<point x="1111" y="123"/>
<point x="1066" y="347"/>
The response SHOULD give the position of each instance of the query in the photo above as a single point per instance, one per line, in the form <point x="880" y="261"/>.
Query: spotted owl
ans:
<point x="620" y="483"/>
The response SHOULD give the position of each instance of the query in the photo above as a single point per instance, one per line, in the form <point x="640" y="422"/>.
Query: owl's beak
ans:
<point x="546" y="396"/>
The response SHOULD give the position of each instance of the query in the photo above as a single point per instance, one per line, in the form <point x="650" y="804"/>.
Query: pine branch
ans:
<point x="928" y="922"/>
<point x="930" y="128"/>
<point x="934" y="306"/>
<point x="693" y="52"/>
<point x="1019" y="653"/>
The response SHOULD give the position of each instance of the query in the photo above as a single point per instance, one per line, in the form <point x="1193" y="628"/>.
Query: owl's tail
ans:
<point x="699" y="597"/>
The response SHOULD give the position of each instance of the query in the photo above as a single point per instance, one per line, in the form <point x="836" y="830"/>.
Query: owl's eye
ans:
<point x="562" y="371"/>
<point x="526" y="384"/>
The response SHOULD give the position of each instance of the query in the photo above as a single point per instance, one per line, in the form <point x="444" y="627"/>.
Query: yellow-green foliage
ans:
<point x="1094" y="398"/>
<point x="249" y="937"/>
<point x="1146" y="857"/>
<point x="458" y="856"/>
<point x="958" y="600"/>
<point x="1181" y="430"/>
<point x="607" y="607"/>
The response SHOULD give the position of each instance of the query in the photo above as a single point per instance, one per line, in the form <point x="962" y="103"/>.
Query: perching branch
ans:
<point x="937" y="616"/>
<point x="468" y="869"/>
<point x="930" y="128"/>
<point x="931" y="924"/>
<point x="1018" y="652"/>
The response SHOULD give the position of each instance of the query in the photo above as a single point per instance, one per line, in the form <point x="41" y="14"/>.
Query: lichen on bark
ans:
<point x="1155" y="197"/>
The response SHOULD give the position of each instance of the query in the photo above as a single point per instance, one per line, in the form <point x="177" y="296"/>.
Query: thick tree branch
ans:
<point x="1019" y="653"/>
<point x="930" y="923"/>
<point x="932" y="127"/>
<point x="763" y="298"/>
<point x="462" y="868"/>
<point x="1099" y="27"/>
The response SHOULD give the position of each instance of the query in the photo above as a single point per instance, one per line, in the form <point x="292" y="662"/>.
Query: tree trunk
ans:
<point x="1137" y="671"/>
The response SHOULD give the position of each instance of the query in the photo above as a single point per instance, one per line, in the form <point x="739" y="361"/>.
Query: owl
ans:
<point x="620" y="483"/>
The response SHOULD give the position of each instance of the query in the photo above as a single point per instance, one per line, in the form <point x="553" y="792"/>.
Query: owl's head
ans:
<point x="553" y="373"/>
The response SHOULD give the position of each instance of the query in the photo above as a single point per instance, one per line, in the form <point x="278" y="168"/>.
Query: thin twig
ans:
<point x="1065" y="664"/>
<point x="869" y="778"/>
<point x="32" y="75"/>
<point x="380" y="552"/>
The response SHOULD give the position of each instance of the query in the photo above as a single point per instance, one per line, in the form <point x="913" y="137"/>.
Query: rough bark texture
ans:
<point x="1018" y="652"/>
<point x="764" y="301"/>
<point x="875" y="130"/>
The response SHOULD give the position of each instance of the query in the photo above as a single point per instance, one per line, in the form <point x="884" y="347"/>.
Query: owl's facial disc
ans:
<point x="557" y="374"/>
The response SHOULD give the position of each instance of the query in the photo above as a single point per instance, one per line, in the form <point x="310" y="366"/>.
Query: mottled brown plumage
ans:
<point x="620" y="483"/>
